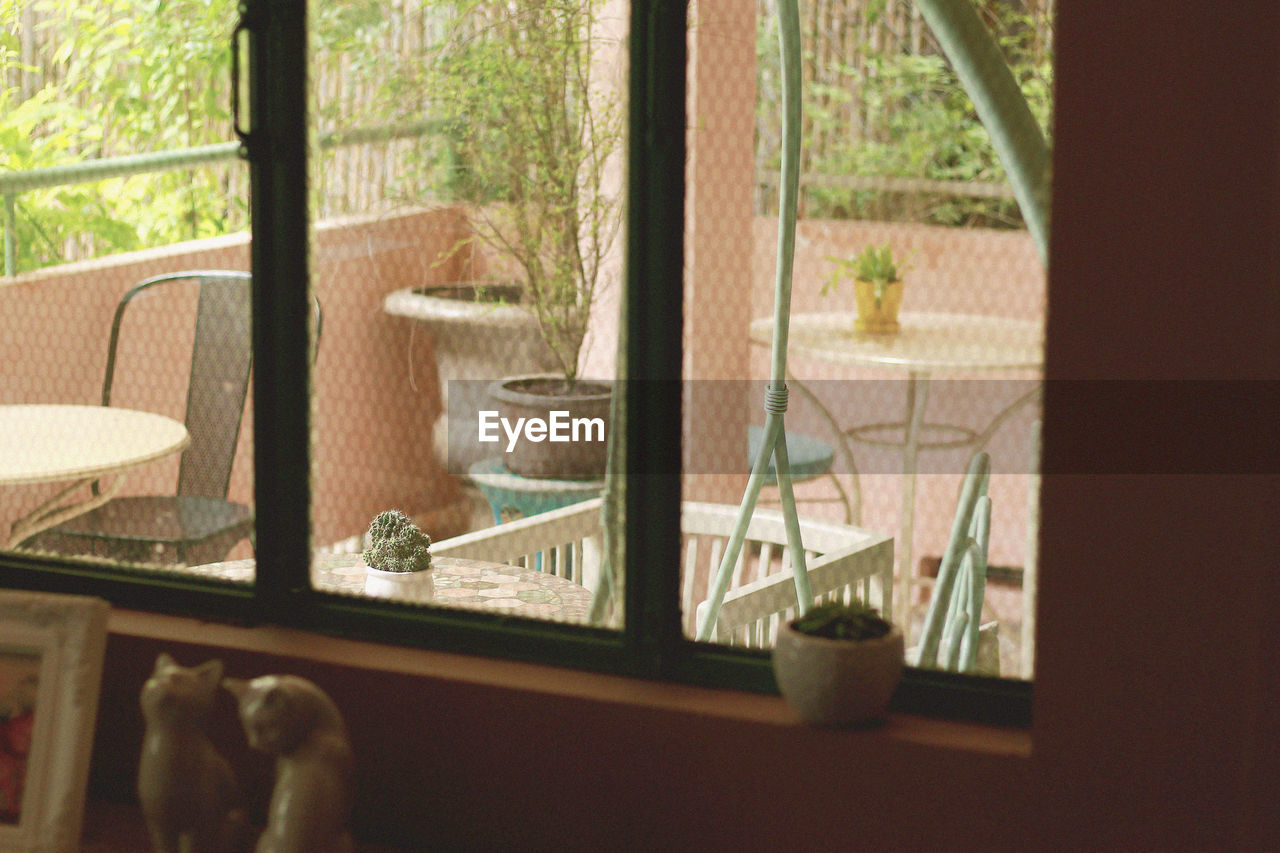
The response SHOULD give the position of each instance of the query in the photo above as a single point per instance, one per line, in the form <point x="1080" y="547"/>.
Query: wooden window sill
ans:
<point x="731" y="706"/>
<point x="113" y="827"/>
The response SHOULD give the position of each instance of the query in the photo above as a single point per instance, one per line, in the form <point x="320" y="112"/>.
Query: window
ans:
<point x="404" y="170"/>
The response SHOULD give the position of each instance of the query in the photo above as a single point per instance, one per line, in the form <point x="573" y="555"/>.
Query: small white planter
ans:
<point x="402" y="586"/>
<point x="837" y="682"/>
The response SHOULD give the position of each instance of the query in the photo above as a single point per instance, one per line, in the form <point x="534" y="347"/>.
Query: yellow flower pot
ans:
<point x="879" y="318"/>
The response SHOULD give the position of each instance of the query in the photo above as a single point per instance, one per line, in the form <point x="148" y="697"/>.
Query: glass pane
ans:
<point x="466" y="209"/>
<point x="893" y="155"/>
<point x="119" y="168"/>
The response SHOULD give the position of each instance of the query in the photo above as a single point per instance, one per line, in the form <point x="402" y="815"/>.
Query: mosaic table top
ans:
<point x="453" y="582"/>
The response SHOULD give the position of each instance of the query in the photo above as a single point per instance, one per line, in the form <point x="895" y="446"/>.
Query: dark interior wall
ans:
<point x="1155" y="711"/>
<point x="1155" y="723"/>
<point x="460" y="754"/>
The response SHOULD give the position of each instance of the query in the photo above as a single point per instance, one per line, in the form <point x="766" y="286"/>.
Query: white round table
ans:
<point x="927" y="344"/>
<point x="47" y="443"/>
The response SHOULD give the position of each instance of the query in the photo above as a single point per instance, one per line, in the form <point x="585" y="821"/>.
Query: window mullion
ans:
<point x="281" y="396"/>
<point x="655" y="234"/>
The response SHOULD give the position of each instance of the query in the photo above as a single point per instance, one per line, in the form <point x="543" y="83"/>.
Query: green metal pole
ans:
<point x="774" y="442"/>
<point x="1000" y="105"/>
<point x="10" y="236"/>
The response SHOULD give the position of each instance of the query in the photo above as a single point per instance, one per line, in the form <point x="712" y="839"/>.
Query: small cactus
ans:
<point x="396" y="544"/>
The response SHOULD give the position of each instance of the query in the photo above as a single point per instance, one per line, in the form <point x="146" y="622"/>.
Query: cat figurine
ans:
<point x="188" y="794"/>
<point x="292" y="719"/>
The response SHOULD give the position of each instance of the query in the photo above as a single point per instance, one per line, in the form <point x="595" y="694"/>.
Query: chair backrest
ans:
<point x="843" y="563"/>
<point x="566" y="541"/>
<point x="950" y="636"/>
<point x="221" y="362"/>
<point x="221" y="358"/>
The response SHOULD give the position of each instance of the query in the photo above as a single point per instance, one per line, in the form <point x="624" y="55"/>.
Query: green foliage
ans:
<point x="117" y="77"/>
<point x="123" y="77"/>
<point x="39" y="132"/>
<point x="886" y="109"/>
<point x="854" y="621"/>
<point x="532" y="131"/>
<point x="396" y="544"/>
<point x="874" y="263"/>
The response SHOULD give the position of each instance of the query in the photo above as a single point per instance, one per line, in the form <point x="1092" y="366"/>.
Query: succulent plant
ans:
<point x="396" y="544"/>
<point x="855" y="621"/>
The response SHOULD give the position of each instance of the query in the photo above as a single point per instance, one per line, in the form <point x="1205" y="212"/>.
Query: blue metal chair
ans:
<point x="520" y="497"/>
<point x="810" y="459"/>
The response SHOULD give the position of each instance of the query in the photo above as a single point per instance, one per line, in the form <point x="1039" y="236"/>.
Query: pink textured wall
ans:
<point x="375" y="395"/>
<point x="718" y="220"/>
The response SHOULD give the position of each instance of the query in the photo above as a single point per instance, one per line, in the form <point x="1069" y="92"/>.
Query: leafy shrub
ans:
<point x="891" y="107"/>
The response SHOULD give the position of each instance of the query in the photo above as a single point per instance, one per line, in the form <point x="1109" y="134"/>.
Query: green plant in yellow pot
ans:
<point x="877" y="287"/>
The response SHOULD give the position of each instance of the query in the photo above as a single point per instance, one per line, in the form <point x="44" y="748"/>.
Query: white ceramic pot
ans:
<point x="402" y="586"/>
<point x="474" y="342"/>
<point x="837" y="682"/>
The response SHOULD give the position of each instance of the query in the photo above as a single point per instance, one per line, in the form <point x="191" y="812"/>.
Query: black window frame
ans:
<point x="651" y="643"/>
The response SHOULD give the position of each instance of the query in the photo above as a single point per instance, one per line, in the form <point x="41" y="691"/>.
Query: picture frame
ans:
<point x="51" y="654"/>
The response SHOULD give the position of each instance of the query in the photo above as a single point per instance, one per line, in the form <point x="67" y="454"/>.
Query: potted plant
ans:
<point x="534" y="130"/>
<point x="839" y="664"/>
<point x="877" y="287"/>
<point x="398" y="559"/>
<point x="478" y="330"/>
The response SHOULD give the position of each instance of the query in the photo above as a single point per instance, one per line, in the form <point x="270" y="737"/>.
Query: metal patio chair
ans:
<point x="952" y="637"/>
<point x="197" y="524"/>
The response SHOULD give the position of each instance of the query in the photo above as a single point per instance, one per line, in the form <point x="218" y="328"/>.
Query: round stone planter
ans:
<point x="479" y="333"/>
<point x="837" y="682"/>
<point x="569" y="444"/>
<point x="402" y="586"/>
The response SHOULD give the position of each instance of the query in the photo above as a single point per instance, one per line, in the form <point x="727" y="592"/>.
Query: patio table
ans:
<point x="928" y="344"/>
<point x="457" y="582"/>
<point x="53" y="443"/>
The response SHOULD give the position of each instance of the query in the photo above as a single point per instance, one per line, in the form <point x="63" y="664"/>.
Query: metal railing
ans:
<point x="871" y="183"/>
<point x="766" y="187"/>
<point x="14" y="183"/>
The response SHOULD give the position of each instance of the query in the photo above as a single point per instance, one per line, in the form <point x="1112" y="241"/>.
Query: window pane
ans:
<point x="85" y="85"/>
<point x="466" y="209"/>
<point x="893" y="155"/>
